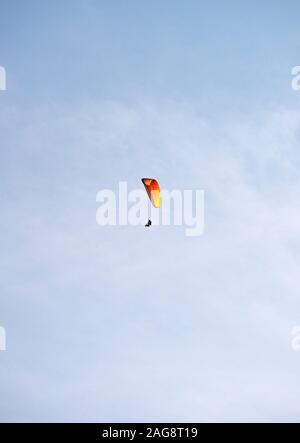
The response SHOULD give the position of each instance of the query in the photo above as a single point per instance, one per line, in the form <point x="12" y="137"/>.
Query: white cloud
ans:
<point x="138" y="324"/>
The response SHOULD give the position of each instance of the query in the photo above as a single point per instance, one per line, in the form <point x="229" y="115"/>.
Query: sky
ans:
<point x="123" y="323"/>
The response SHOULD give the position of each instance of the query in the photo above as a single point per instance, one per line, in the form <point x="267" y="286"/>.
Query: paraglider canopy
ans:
<point x="153" y="191"/>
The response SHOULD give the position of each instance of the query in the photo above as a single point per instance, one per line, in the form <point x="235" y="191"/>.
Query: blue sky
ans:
<point x="123" y="324"/>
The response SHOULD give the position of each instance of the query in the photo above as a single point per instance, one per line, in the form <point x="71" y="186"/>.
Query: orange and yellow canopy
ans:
<point x="153" y="191"/>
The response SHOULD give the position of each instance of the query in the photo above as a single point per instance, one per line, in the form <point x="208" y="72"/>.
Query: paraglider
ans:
<point x="153" y="191"/>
